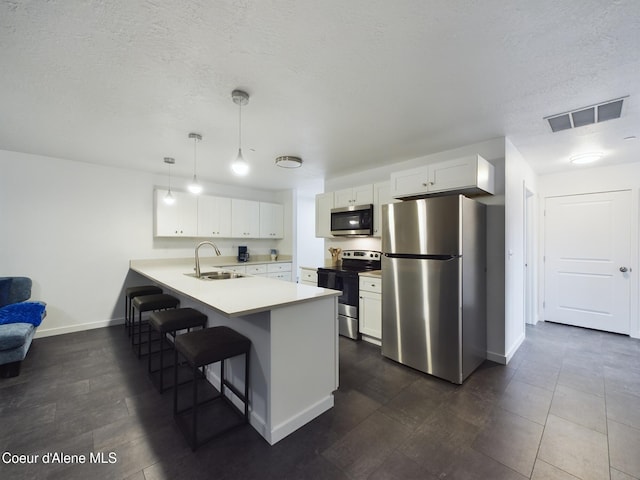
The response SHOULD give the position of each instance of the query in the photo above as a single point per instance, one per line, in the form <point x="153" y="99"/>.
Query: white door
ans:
<point x="587" y="260"/>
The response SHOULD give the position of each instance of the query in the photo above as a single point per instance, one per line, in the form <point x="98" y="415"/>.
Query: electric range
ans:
<point x="344" y="277"/>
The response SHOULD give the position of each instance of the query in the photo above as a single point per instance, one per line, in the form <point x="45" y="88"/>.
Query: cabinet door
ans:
<point x="214" y="216"/>
<point x="324" y="204"/>
<point x="343" y="198"/>
<point x="271" y="220"/>
<point x="381" y="195"/>
<point x="245" y="218"/>
<point x="179" y="219"/>
<point x="371" y="314"/>
<point x="409" y="182"/>
<point x="363" y="195"/>
<point x="453" y="174"/>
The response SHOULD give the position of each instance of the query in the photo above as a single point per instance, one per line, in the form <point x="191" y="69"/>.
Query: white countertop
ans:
<point x="371" y="273"/>
<point x="231" y="297"/>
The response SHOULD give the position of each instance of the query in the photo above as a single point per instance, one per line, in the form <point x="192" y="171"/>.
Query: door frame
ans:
<point x="530" y="313"/>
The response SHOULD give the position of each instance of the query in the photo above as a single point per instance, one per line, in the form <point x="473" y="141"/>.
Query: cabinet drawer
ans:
<point x="278" y="267"/>
<point x="285" y="276"/>
<point x="309" y="276"/>
<point x="256" y="269"/>
<point x="236" y="268"/>
<point x="370" y="284"/>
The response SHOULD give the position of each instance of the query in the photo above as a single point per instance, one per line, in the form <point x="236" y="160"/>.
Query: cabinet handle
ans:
<point x="424" y="184"/>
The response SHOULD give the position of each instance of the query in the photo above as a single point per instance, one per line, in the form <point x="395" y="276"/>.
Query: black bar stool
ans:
<point x="148" y="303"/>
<point x="130" y="294"/>
<point x="171" y="321"/>
<point x="202" y="348"/>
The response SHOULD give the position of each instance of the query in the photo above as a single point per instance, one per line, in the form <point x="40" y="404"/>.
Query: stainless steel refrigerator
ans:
<point x="433" y="285"/>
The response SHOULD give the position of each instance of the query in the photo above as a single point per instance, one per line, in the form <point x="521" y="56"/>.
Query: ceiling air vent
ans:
<point x="586" y="115"/>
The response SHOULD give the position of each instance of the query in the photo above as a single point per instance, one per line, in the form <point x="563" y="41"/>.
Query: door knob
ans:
<point x="623" y="269"/>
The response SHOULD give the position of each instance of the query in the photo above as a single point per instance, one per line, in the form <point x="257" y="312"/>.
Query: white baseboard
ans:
<point x="280" y="431"/>
<point x="48" y="332"/>
<point x="496" y="357"/>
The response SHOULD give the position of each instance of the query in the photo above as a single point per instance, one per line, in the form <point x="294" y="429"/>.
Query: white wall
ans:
<point x="73" y="227"/>
<point x="308" y="248"/>
<point x="583" y="180"/>
<point x="519" y="178"/>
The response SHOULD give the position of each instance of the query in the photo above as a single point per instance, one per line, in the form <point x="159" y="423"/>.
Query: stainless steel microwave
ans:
<point x="352" y="221"/>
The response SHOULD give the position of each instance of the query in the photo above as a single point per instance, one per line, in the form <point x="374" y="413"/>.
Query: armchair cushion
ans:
<point x="23" y="312"/>
<point x="15" y="335"/>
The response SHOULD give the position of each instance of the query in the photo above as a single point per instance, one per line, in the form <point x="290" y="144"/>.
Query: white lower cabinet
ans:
<point x="309" y="276"/>
<point x="257" y="269"/>
<point x="370" y="307"/>
<point x="235" y="268"/>
<point x="279" y="271"/>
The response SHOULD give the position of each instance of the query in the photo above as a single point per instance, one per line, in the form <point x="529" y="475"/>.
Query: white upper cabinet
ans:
<point x="472" y="174"/>
<point x="324" y="204"/>
<point x="245" y="218"/>
<point x="214" y="216"/>
<point x="176" y="220"/>
<point x="271" y="220"/>
<point x="361" y="195"/>
<point x="381" y="195"/>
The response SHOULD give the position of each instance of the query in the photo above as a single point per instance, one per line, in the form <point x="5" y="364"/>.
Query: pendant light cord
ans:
<point x="195" y="141"/>
<point x="240" y="127"/>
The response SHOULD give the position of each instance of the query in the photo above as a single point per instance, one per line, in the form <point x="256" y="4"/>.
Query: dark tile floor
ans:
<point x="566" y="407"/>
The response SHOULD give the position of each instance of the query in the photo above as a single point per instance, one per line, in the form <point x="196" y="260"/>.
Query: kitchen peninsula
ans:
<point x="293" y="330"/>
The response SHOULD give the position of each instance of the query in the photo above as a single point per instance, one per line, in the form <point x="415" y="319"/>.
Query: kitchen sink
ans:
<point x="216" y="275"/>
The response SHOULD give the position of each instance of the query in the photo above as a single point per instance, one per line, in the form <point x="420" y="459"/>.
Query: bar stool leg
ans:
<point x="194" y="410"/>
<point x="175" y="383"/>
<point x="246" y="387"/>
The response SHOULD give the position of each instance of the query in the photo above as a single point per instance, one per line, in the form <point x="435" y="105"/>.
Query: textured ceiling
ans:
<point x="344" y="85"/>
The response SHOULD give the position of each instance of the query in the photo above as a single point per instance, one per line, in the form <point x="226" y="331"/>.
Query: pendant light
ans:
<point x="169" y="198"/>
<point x="194" y="187"/>
<point x="240" y="166"/>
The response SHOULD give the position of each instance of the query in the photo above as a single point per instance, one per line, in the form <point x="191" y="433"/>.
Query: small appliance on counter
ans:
<point x="274" y="254"/>
<point x="243" y="253"/>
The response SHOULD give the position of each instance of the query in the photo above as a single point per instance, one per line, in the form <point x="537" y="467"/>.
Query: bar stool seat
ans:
<point x="148" y="303"/>
<point x="129" y="294"/>
<point x="203" y="347"/>
<point x="171" y="321"/>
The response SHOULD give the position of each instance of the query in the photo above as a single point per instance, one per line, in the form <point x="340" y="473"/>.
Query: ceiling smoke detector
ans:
<point x="287" y="161"/>
<point x="597" y="113"/>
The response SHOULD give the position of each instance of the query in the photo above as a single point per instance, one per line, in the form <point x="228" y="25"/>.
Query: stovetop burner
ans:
<point x="358" y="261"/>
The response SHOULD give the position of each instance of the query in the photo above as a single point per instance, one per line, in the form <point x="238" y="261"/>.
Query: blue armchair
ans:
<point x="18" y="322"/>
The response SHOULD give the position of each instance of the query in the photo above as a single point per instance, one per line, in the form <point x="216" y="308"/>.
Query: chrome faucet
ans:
<point x="215" y="247"/>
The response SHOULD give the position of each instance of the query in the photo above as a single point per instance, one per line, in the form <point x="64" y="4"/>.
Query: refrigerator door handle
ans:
<point x="415" y="256"/>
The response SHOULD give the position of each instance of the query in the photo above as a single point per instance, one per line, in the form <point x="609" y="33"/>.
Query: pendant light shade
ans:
<point x="240" y="166"/>
<point x="195" y="187"/>
<point x="169" y="199"/>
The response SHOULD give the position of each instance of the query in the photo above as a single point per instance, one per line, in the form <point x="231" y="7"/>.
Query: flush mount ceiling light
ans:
<point x="168" y="198"/>
<point x="287" y="161"/>
<point x="240" y="166"/>
<point x="588" y="157"/>
<point x="194" y="187"/>
<point x="597" y="113"/>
